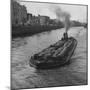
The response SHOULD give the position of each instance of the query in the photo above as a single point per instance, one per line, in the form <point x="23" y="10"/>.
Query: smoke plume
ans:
<point x="63" y="16"/>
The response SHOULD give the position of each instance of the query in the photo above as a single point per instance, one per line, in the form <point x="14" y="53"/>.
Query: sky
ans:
<point x="77" y="12"/>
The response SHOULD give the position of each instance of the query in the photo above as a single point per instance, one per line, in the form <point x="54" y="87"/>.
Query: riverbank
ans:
<point x="22" y="31"/>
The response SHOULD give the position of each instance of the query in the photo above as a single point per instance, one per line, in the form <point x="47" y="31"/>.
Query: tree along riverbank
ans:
<point x="22" y="31"/>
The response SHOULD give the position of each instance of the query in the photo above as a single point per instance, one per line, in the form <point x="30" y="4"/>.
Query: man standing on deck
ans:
<point x="65" y="36"/>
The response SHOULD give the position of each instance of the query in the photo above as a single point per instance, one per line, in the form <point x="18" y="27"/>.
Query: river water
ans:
<point x="23" y="76"/>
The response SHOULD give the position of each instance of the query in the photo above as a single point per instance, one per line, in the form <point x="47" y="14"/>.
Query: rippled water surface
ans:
<point x="24" y="76"/>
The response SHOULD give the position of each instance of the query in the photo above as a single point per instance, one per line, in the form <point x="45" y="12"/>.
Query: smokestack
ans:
<point x="62" y="16"/>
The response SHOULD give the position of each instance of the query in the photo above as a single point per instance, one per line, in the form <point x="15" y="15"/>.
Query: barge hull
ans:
<point x="58" y="61"/>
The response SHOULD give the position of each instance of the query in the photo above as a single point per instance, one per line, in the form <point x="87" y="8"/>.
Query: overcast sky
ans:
<point x="77" y="12"/>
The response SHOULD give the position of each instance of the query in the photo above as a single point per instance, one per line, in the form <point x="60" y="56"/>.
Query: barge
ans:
<point x="55" y="55"/>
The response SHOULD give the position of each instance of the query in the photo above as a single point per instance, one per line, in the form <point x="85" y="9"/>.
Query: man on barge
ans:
<point x="65" y="36"/>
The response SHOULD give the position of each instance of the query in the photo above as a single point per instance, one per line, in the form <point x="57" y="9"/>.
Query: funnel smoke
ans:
<point x="63" y="16"/>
